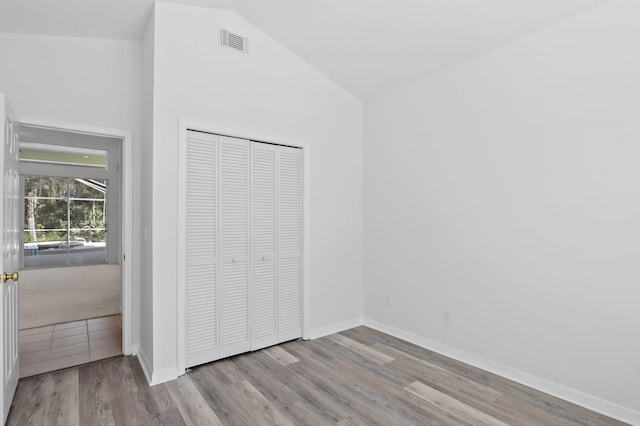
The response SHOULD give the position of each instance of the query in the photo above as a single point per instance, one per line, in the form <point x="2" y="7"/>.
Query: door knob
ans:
<point x="13" y="277"/>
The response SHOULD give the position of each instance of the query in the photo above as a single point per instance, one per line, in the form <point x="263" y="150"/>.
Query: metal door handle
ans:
<point x="13" y="277"/>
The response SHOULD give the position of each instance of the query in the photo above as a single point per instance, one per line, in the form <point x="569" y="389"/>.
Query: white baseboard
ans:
<point x="334" y="328"/>
<point x="574" y="396"/>
<point x="162" y="376"/>
<point x="134" y="349"/>
<point x="145" y="364"/>
<point x="155" y="377"/>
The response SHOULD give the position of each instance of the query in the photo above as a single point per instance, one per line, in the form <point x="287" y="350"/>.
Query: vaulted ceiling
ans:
<point x="366" y="46"/>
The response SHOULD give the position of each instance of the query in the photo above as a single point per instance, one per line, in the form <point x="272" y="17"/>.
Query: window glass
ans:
<point x="59" y="154"/>
<point x="65" y="222"/>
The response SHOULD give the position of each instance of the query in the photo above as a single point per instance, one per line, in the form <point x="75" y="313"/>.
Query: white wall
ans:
<point x="84" y="81"/>
<point x="146" y="199"/>
<point x="506" y="189"/>
<point x="272" y="92"/>
<point x="88" y="81"/>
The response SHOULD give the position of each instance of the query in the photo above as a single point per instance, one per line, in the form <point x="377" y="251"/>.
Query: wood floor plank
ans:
<point x="451" y="404"/>
<point x="219" y="396"/>
<point x="292" y="393"/>
<point x="63" y="406"/>
<point x="299" y="390"/>
<point x="283" y="357"/>
<point x="353" y="405"/>
<point x="361" y="349"/>
<point x="395" y="410"/>
<point x="556" y="407"/>
<point x="270" y="377"/>
<point x="190" y="403"/>
<point x="29" y="404"/>
<point x="396" y="395"/>
<point x="226" y="371"/>
<point x="95" y="395"/>
<point x="318" y="384"/>
<point x="302" y="350"/>
<point x="307" y="413"/>
<point x="357" y="377"/>
<point x="170" y="417"/>
<point x="360" y="336"/>
<point x="487" y="399"/>
<point x="121" y="375"/>
<point x="268" y="410"/>
<point x="53" y="397"/>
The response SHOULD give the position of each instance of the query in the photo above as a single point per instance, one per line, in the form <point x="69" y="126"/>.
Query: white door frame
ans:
<point x="185" y="125"/>
<point x="127" y="212"/>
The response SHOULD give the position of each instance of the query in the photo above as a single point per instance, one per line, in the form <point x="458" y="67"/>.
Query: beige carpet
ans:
<point x="55" y="295"/>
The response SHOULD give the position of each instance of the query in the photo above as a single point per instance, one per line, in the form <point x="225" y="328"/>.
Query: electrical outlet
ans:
<point x="446" y="316"/>
<point x="387" y="301"/>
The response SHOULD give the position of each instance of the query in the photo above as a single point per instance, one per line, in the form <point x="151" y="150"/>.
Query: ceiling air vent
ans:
<point x="234" y="41"/>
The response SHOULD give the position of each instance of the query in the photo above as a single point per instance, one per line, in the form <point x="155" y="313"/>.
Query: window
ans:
<point x="65" y="155"/>
<point x="65" y="221"/>
<point x="72" y="187"/>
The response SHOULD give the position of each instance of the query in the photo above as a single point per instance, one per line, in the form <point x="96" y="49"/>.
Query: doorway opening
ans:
<point x="71" y="248"/>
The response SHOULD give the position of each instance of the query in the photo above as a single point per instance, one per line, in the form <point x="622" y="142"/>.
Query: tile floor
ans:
<point x="54" y="347"/>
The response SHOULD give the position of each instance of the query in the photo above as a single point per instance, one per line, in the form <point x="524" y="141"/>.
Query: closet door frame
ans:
<point x="184" y="126"/>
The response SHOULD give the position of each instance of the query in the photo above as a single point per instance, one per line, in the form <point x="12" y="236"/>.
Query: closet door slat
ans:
<point x="201" y="248"/>
<point x="234" y="235"/>
<point x="289" y="243"/>
<point x="263" y="246"/>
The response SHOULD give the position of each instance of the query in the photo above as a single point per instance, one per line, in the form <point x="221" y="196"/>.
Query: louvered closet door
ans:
<point x="201" y="248"/>
<point x="289" y="256"/>
<point x="234" y="243"/>
<point x="263" y="246"/>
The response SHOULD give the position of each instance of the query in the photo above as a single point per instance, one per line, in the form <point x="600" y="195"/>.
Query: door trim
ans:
<point x="129" y="347"/>
<point x="183" y="126"/>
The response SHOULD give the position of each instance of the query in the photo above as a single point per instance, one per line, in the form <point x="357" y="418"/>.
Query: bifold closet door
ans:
<point x="234" y="246"/>
<point x="201" y="235"/>
<point x="243" y="246"/>
<point x="289" y="258"/>
<point x="264" y="296"/>
<point x="276" y="239"/>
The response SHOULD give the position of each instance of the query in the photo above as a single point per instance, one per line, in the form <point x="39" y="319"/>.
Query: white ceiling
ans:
<point x="366" y="46"/>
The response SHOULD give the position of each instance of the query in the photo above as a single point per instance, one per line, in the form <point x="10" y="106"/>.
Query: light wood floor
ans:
<point x="357" y="377"/>
<point x="53" y="347"/>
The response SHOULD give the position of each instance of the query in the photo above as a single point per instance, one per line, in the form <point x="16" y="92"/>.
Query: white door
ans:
<point x="9" y="241"/>
<point x="264" y="291"/>
<point x="234" y="246"/>
<point x="289" y="243"/>
<point x="201" y="260"/>
<point x="242" y="253"/>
